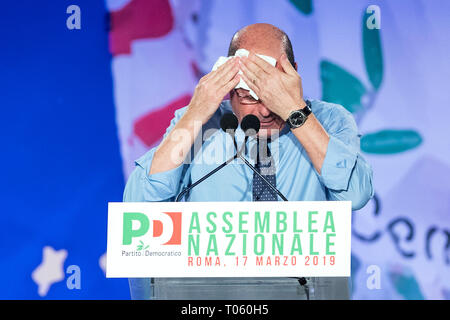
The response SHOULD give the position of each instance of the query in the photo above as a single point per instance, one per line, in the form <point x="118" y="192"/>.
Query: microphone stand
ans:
<point x="238" y="153"/>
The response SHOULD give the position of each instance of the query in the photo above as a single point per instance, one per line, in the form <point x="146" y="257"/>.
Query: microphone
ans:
<point x="229" y="124"/>
<point x="250" y="124"/>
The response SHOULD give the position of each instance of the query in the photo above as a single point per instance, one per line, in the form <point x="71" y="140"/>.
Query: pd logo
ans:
<point x="165" y="227"/>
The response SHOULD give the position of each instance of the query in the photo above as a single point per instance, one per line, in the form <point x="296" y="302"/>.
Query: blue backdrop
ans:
<point x="60" y="154"/>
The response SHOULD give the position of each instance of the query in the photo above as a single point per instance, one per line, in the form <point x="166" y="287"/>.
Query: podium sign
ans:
<point x="229" y="239"/>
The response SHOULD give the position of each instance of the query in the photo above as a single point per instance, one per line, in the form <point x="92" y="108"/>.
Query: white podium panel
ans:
<point x="231" y="250"/>
<point x="229" y="239"/>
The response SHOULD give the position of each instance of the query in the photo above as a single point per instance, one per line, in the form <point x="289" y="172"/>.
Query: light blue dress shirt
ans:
<point x="345" y="175"/>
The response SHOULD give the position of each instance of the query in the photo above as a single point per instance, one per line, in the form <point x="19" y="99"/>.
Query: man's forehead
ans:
<point x="267" y="47"/>
<point x="271" y="52"/>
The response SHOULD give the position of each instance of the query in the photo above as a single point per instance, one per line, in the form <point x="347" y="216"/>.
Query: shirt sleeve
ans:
<point x="162" y="186"/>
<point x="345" y="173"/>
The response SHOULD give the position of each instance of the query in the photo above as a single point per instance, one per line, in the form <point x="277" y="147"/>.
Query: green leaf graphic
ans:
<point x="341" y="87"/>
<point x="305" y="6"/>
<point x="390" y="141"/>
<point x="406" y="284"/>
<point x="373" y="55"/>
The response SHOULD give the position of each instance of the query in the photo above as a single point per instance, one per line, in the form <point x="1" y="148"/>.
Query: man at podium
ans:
<point x="306" y="149"/>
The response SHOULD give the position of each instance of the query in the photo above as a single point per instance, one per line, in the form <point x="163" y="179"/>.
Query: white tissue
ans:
<point x="243" y="53"/>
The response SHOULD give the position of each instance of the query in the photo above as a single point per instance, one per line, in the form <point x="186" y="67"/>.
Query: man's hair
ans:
<point x="236" y="40"/>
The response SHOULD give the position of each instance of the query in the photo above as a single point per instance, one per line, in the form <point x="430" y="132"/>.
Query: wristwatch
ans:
<point x="298" y="117"/>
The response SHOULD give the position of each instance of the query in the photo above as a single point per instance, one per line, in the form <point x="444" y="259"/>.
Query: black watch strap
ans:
<point x="307" y="109"/>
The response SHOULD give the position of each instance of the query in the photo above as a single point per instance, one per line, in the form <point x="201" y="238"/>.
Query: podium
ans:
<point x="231" y="250"/>
<point x="317" y="288"/>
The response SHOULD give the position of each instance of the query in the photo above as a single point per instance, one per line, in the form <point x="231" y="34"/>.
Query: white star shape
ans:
<point x="102" y="262"/>
<point x="50" y="270"/>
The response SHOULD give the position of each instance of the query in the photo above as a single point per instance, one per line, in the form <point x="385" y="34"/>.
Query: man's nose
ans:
<point x="263" y="111"/>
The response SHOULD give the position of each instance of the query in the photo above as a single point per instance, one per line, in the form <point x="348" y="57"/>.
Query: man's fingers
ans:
<point x="249" y="74"/>
<point x="252" y="85"/>
<point x="286" y="65"/>
<point x="260" y="62"/>
<point x="253" y="67"/>
<point x="226" y="75"/>
<point x="230" y="85"/>
<point x="223" y="69"/>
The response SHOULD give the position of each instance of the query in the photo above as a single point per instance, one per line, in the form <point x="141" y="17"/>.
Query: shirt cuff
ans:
<point x="338" y="165"/>
<point x="162" y="185"/>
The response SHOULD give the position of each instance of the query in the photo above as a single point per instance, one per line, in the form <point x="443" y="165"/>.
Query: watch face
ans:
<point x="297" y="119"/>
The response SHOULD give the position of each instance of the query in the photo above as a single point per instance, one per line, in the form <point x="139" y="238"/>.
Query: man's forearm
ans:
<point x="314" y="139"/>
<point x="173" y="149"/>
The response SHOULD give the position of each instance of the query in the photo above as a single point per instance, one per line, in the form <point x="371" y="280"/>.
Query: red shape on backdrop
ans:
<point x="152" y="126"/>
<point x="196" y="70"/>
<point x="139" y="19"/>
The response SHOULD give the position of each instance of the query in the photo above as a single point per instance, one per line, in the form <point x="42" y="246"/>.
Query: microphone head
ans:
<point x="250" y="125"/>
<point x="229" y="122"/>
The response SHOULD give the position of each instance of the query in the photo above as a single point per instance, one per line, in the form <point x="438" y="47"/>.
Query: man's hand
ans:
<point x="279" y="91"/>
<point x="212" y="88"/>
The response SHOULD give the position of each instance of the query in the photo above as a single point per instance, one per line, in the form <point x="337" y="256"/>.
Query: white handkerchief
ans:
<point x="243" y="53"/>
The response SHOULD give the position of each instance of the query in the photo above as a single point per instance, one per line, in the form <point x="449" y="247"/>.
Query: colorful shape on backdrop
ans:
<point x="139" y="19"/>
<point x="152" y="126"/>
<point x="405" y="283"/>
<point x="341" y="87"/>
<point x="390" y="141"/>
<point x="373" y="55"/>
<point x="304" y="6"/>
<point x="51" y="269"/>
